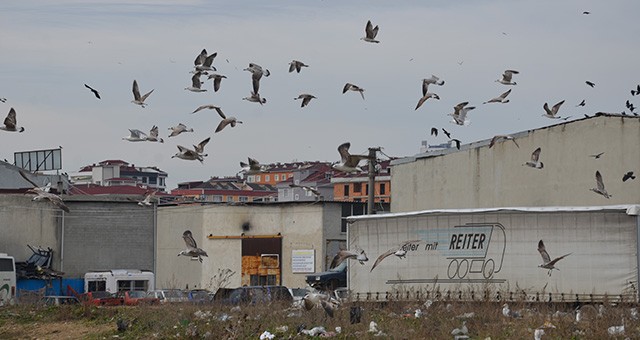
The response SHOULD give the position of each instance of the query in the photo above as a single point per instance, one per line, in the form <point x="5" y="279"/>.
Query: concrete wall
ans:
<point x="25" y="222"/>
<point x="479" y="177"/>
<point x="302" y="226"/>
<point x="99" y="232"/>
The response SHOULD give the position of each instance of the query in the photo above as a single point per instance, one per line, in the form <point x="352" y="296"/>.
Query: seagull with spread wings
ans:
<point x="225" y="120"/>
<point x="10" y="122"/>
<point x="217" y="79"/>
<point x="349" y="162"/>
<point x="497" y="138"/>
<point x="42" y="193"/>
<point x="178" y="129"/>
<point x="137" y="98"/>
<point x="547" y="263"/>
<point x="352" y="87"/>
<point x="153" y="135"/>
<point x="256" y="74"/>
<point x="95" y="92"/>
<point x="200" y="147"/>
<point x="599" y="189"/>
<point x="400" y="251"/>
<point x="253" y="167"/>
<point x="460" y="113"/>
<point x="535" y="160"/>
<point x="192" y="248"/>
<point x="344" y="254"/>
<point x="296" y="65"/>
<point x="552" y="113"/>
<point x="499" y="99"/>
<point x="148" y="198"/>
<point x="507" y="76"/>
<point x="306" y="98"/>
<point x="136" y="135"/>
<point x="307" y="188"/>
<point x="196" y="84"/>
<point x="370" y="33"/>
<point x="188" y="154"/>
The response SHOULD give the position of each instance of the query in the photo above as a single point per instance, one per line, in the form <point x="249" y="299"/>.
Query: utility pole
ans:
<point x="372" y="179"/>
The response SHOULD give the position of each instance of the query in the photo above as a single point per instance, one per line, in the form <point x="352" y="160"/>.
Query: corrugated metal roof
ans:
<point x="630" y="209"/>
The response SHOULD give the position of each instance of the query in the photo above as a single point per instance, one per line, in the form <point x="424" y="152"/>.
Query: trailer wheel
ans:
<point x="489" y="267"/>
<point x="463" y="268"/>
<point x="455" y="265"/>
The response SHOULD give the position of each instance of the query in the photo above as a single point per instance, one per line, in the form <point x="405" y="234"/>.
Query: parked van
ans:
<point x="116" y="280"/>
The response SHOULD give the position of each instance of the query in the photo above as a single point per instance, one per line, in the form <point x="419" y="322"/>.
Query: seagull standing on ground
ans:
<point x="534" y="162"/>
<point x="500" y="99"/>
<point x="306" y="98"/>
<point x="344" y="254"/>
<point x="370" y="33"/>
<point x="352" y="87"/>
<point x="95" y="92"/>
<point x="554" y="110"/>
<point x="547" y="263"/>
<point x="137" y="99"/>
<point x="348" y="162"/>
<point x="599" y="189"/>
<point x="399" y="251"/>
<point x="506" y="77"/>
<point x="192" y="248"/>
<point x="10" y="122"/>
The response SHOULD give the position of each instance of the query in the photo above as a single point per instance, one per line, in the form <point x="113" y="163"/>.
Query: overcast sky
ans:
<point x="51" y="48"/>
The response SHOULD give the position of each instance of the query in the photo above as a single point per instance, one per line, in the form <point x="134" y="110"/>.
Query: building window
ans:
<point x="243" y="199"/>
<point x="249" y="179"/>
<point x="346" y="190"/>
<point x="366" y="189"/>
<point x="229" y="198"/>
<point x="258" y="178"/>
<point x="153" y="180"/>
<point x="350" y="210"/>
<point x="382" y="189"/>
<point x="296" y="197"/>
<point x="144" y="180"/>
<point x="285" y="192"/>
<point x="267" y="178"/>
<point x="357" y="187"/>
<point x="217" y="198"/>
<point x="162" y="181"/>
<point x="276" y="177"/>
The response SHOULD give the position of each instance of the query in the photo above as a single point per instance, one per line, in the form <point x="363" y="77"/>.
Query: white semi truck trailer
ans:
<point x="493" y="254"/>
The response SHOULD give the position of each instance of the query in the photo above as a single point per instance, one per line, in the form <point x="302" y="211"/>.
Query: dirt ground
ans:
<point x="51" y="330"/>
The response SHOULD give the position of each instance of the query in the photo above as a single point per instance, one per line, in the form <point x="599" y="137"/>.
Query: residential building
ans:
<point x="119" y="172"/>
<point x="226" y="189"/>
<point x="308" y="180"/>
<point x="355" y="187"/>
<point x="278" y="172"/>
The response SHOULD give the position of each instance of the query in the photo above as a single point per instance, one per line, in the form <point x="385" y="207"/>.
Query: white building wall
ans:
<point x="480" y="177"/>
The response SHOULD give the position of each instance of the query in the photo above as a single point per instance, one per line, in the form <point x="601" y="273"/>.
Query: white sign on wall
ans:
<point x="303" y="260"/>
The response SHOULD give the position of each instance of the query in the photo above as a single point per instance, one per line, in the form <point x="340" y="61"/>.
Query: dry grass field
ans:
<point x="396" y="320"/>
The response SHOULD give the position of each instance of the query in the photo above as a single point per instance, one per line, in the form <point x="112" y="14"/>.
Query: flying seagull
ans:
<point x="204" y="62"/>
<point x="217" y="79"/>
<point x="42" y="193"/>
<point x="192" y="248"/>
<point x="136" y="135"/>
<point x="344" y="254"/>
<point x="196" y="84"/>
<point x="200" y="147"/>
<point x="370" y="33"/>
<point x="4" y="100"/>
<point x="582" y="103"/>
<point x="146" y="202"/>
<point x="153" y="135"/>
<point x="202" y="107"/>
<point x="447" y="133"/>
<point x="253" y="167"/>
<point x="431" y="80"/>
<point x="500" y="99"/>
<point x="633" y="92"/>
<point x="506" y="77"/>
<point x="314" y="299"/>
<point x="178" y="129"/>
<point x="95" y="92"/>
<point x="590" y="83"/>
<point x="586" y="12"/>
<point x="349" y="162"/>
<point x="226" y="120"/>
<point x="399" y="251"/>
<point x="306" y="98"/>
<point x="627" y="176"/>
<point x="425" y="97"/>
<point x="256" y="74"/>
<point x="597" y="156"/>
<point x="137" y="99"/>
<point x="554" y="110"/>
<point x="307" y="188"/>
<point x="351" y="87"/>
<point x="457" y="143"/>
<point x="534" y="162"/>
<point x="10" y="122"/>
<point x="496" y="138"/>
<point x="434" y="131"/>
<point x="599" y="189"/>
<point x="460" y="113"/>
<point x="547" y="263"/>
<point x="188" y="154"/>
<point x="296" y="65"/>
<point x="255" y="98"/>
